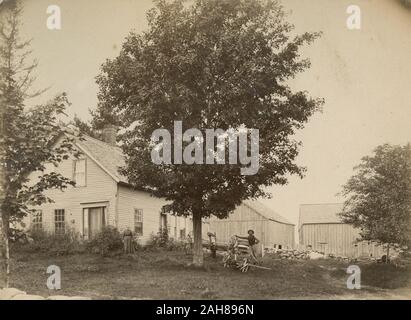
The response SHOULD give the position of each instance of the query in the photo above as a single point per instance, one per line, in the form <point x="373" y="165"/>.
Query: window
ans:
<point x="79" y="175"/>
<point x="59" y="221"/>
<point x="138" y="221"/>
<point x="37" y="220"/>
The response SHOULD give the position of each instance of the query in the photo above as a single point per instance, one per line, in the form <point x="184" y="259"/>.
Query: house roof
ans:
<point x="265" y="211"/>
<point x="320" y="213"/>
<point x="110" y="158"/>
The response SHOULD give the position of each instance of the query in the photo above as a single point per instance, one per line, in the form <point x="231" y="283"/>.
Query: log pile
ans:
<point x="290" y="254"/>
<point x="295" y="254"/>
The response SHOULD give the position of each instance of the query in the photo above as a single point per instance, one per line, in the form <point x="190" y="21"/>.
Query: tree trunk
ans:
<point x="388" y="253"/>
<point x="198" y="259"/>
<point x="6" y="249"/>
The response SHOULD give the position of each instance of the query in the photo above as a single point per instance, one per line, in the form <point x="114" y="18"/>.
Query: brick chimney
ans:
<point x="109" y="134"/>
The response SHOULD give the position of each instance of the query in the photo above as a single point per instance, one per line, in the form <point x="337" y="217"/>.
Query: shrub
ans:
<point x="158" y="240"/>
<point x="45" y="242"/>
<point x="174" y="245"/>
<point x="162" y="240"/>
<point x="38" y="234"/>
<point x="107" y="240"/>
<point x="136" y="243"/>
<point x="163" y="237"/>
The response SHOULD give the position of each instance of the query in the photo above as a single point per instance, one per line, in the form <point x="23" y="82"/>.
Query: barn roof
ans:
<point x="320" y="213"/>
<point x="266" y="212"/>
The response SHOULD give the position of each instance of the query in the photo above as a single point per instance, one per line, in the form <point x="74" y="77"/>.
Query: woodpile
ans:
<point x="290" y="254"/>
<point x="295" y="254"/>
<point x="298" y="254"/>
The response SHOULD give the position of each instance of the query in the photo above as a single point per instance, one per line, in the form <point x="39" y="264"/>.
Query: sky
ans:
<point x="363" y="75"/>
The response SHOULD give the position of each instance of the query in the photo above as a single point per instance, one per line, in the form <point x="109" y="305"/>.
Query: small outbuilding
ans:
<point x="321" y="229"/>
<point x="270" y="228"/>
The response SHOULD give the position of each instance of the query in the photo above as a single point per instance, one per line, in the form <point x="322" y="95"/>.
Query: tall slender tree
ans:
<point x="212" y="64"/>
<point x="28" y="133"/>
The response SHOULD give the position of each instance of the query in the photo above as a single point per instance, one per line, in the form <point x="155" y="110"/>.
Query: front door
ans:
<point x="163" y="222"/>
<point x="94" y="221"/>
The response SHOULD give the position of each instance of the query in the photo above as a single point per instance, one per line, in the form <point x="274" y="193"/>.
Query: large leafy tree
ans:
<point x="379" y="196"/>
<point x="210" y="64"/>
<point x="28" y="134"/>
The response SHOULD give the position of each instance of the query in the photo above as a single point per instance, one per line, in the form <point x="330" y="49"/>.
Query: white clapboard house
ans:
<point x="102" y="196"/>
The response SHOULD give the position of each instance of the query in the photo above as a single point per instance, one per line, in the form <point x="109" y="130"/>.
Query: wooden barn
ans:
<point x="321" y="228"/>
<point x="270" y="228"/>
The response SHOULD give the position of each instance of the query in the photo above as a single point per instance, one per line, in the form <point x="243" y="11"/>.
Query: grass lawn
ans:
<point x="168" y="275"/>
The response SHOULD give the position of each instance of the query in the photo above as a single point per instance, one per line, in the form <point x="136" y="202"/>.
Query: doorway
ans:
<point x="93" y="221"/>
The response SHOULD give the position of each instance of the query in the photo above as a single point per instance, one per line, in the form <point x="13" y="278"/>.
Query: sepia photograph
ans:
<point x="205" y="150"/>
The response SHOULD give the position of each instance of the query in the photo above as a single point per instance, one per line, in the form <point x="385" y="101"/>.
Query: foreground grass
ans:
<point x="168" y="275"/>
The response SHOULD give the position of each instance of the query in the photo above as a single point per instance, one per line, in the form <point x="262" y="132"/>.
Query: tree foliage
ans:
<point x="211" y="64"/>
<point x="28" y="133"/>
<point x="379" y="196"/>
<point x="85" y="127"/>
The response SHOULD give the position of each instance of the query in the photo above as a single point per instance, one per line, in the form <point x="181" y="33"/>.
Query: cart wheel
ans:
<point x="245" y="266"/>
<point x="245" y="269"/>
<point x="226" y="260"/>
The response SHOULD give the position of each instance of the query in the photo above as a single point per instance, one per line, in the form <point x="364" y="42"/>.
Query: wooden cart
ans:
<point x="240" y="256"/>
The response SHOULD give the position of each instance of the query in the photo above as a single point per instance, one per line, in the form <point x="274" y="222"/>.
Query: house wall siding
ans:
<point x="130" y="199"/>
<point x="100" y="190"/>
